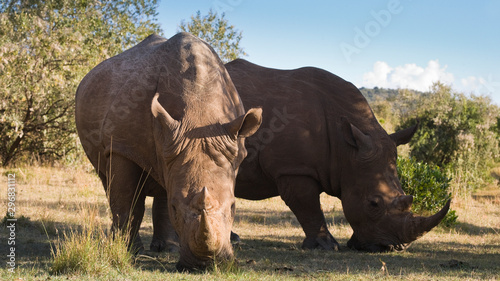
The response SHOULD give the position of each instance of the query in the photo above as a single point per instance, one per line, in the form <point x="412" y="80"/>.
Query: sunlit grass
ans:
<point x="90" y="252"/>
<point x="64" y="234"/>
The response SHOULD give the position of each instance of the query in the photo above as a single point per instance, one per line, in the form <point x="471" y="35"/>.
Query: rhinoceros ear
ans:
<point x="160" y="112"/>
<point x="245" y="125"/>
<point x="347" y="131"/>
<point x="354" y="137"/>
<point x="404" y="136"/>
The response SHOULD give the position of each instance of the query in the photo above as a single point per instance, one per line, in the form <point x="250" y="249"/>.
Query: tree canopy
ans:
<point x="46" y="47"/>
<point x="457" y="132"/>
<point x="217" y="32"/>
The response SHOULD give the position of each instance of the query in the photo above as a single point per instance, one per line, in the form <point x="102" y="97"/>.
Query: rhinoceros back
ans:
<point x="113" y="101"/>
<point x="112" y="105"/>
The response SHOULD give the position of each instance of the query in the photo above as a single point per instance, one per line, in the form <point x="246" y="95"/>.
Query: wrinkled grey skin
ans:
<point x="319" y="135"/>
<point x="163" y="119"/>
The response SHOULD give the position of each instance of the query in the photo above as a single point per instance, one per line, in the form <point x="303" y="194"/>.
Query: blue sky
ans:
<point x="389" y="43"/>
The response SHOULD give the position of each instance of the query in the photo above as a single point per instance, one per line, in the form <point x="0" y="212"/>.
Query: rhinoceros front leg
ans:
<point x="164" y="236"/>
<point x="126" y="198"/>
<point x="301" y="194"/>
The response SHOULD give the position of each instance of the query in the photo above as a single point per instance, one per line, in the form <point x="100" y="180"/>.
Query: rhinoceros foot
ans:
<point x="136" y="248"/>
<point x="158" y="245"/>
<point x="322" y="243"/>
<point x="235" y="238"/>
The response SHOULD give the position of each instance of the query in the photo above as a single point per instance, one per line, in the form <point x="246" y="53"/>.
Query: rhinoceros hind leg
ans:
<point x="301" y="194"/>
<point x="165" y="238"/>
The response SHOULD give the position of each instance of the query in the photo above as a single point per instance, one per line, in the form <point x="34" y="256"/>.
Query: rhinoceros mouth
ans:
<point x="184" y="267"/>
<point x="355" y="244"/>
<point x="190" y="263"/>
<point x="398" y="247"/>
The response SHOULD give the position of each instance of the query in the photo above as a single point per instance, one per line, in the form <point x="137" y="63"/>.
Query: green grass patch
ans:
<point x="90" y="251"/>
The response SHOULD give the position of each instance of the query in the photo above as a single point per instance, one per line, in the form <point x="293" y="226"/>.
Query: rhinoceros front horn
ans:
<point x="206" y="240"/>
<point x="205" y="236"/>
<point x="417" y="226"/>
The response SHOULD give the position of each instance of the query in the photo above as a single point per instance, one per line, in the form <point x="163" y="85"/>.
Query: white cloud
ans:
<point x="420" y="78"/>
<point x="378" y="77"/>
<point x="472" y="84"/>
<point x="409" y="76"/>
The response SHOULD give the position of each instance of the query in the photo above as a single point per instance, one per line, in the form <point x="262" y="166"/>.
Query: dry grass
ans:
<point x="90" y="251"/>
<point x="66" y="199"/>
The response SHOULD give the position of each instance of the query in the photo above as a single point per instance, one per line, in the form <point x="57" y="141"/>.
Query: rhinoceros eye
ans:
<point x="375" y="207"/>
<point x="375" y="201"/>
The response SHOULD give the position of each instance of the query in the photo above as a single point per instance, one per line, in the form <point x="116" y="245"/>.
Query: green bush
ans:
<point x="458" y="133"/>
<point x="429" y="187"/>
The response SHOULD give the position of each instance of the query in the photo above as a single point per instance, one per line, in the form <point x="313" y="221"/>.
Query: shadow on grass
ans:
<point x="34" y="240"/>
<point x="472" y="229"/>
<point x="279" y="217"/>
<point x="270" y="254"/>
<point x="273" y="256"/>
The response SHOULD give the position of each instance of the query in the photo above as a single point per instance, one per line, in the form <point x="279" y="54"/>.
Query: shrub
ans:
<point x="217" y="32"/>
<point x="457" y="132"/>
<point x="429" y="187"/>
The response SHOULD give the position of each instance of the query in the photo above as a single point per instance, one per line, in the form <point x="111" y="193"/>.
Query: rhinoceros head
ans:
<point x="373" y="201"/>
<point x="200" y="167"/>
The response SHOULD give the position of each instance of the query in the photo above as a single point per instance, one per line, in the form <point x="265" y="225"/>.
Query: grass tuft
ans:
<point x="91" y="251"/>
<point x="229" y="267"/>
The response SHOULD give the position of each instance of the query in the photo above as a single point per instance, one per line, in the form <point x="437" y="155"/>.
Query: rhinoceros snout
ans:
<point x="207" y="237"/>
<point x="355" y="244"/>
<point x="190" y="263"/>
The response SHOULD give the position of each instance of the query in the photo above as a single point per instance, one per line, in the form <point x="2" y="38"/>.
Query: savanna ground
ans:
<point x="51" y="201"/>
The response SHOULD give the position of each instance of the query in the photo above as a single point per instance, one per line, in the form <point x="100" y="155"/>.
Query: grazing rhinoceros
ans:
<point x="163" y="119"/>
<point x="319" y="135"/>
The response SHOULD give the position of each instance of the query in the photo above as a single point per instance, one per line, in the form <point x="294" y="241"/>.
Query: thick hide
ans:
<point x="163" y="119"/>
<point x="319" y="135"/>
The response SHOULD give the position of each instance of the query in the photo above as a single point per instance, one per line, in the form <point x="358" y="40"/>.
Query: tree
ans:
<point x="217" y="33"/>
<point x="46" y="47"/>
